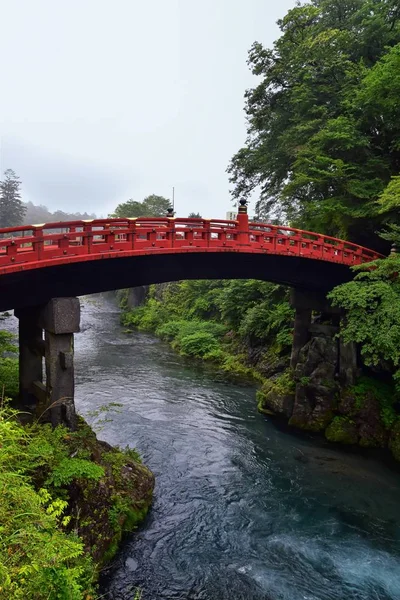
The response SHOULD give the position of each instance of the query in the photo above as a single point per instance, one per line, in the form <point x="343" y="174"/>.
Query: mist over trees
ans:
<point x="41" y="214"/>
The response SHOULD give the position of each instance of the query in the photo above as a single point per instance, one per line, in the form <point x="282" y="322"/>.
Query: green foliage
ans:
<point x="372" y="305"/>
<point x="38" y="560"/>
<point x="9" y="377"/>
<point x="8" y="366"/>
<point x="198" y="344"/>
<point x="211" y="319"/>
<point x="74" y="468"/>
<point x="147" y="317"/>
<point x="49" y="487"/>
<point x="323" y="121"/>
<point x="384" y="393"/>
<point x="266" y="320"/>
<point x="342" y="430"/>
<point x="12" y="210"/>
<point x="152" y="206"/>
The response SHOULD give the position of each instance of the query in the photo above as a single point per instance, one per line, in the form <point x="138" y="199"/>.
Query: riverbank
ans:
<point x="67" y="500"/>
<point x="243" y="329"/>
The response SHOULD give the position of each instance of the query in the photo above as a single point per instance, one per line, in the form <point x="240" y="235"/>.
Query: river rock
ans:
<point x="365" y="412"/>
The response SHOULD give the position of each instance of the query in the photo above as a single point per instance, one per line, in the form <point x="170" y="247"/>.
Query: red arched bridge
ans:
<point x="39" y="262"/>
<point x="44" y="267"/>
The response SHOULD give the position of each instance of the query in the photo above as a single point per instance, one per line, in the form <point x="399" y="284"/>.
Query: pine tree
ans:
<point x="12" y="210"/>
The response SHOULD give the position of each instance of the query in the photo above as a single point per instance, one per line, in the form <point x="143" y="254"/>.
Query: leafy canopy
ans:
<point x="152" y="206"/>
<point x="323" y="121"/>
<point x="372" y="305"/>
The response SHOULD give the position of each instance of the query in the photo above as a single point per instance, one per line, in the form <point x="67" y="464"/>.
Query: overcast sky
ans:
<point x="106" y="100"/>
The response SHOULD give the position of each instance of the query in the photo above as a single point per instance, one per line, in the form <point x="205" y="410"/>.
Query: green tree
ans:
<point x="12" y="210"/>
<point x="152" y="206"/>
<point x="156" y="206"/>
<point x="319" y="147"/>
<point x="372" y="307"/>
<point x="194" y="215"/>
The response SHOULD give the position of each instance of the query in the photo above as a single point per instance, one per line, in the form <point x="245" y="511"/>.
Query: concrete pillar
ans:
<point x="60" y="319"/>
<point x="30" y="355"/>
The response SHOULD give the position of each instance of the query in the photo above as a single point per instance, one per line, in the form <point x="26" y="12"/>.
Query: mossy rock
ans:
<point x="277" y="396"/>
<point x="342" y="430"/>
<point x="103" y="510"/>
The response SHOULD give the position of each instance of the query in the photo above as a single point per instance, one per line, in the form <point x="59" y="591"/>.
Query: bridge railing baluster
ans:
<point x="132" y="233"/>
<point x="207" y="232"/>
<point x="38" y="244"/>
<point x="87" y="239"/>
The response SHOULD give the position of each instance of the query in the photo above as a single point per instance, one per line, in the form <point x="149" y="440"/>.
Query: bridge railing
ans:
<point x="74" y="239"/>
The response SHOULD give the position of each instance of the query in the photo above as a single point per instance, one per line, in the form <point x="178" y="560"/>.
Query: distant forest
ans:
<point x="40" y="214"/>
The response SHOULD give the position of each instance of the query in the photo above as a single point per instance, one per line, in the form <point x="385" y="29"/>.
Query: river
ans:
<point x="242" y="510"/>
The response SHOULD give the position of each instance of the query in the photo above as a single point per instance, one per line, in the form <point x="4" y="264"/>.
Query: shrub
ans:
<point x="199" y="344"/>
<point x="38" y="560"/>
<point x="9" y="377"/>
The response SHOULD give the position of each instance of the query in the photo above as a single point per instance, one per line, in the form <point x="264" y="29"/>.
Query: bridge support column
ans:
<point x="31" y="350"/>
<point x="306" y="302"/>
<point x="59" y="319"/>
<point x="301" y="333"/>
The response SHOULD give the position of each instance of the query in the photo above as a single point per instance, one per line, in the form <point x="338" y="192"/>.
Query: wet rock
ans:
<point x="102" y="510"/>
<point x="277" y="396"/>
<point x="316" y="388"/>
<point x="365" y="411"/>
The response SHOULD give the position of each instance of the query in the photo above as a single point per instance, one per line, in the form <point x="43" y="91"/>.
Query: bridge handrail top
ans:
<point x="164" y="222"/>
<point x="305" y="232"/>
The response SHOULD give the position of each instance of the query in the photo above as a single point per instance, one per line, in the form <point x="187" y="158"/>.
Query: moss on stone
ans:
<point x="276" y="396"/>
<point x="102" y="511"/>
<point x="342" y="430"/>
<point x="368" y="388"/>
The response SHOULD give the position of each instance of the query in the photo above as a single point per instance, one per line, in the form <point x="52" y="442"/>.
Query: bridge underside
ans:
<point x="36" y="286"/>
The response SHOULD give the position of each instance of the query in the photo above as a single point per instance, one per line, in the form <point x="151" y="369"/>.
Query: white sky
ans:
<point x="103" y="100"/>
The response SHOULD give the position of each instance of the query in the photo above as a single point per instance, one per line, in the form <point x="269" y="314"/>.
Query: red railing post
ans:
<point x="38" y="243"/>
<point x="132" y="232"/>
<point x="171" y="232"/>
<point x="243" y="224"/>
<point x="88" y="238"/>
<point x="207" y="232"/>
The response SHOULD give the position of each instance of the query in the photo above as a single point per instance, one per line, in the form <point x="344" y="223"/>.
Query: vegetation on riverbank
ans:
<point x="229" y="324"/>
<point x="244" y="329"/>
<point x="66" y="501"/>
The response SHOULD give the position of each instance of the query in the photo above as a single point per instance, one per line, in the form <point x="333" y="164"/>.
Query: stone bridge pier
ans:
<point x="46" y="359"/>
<point x="305" y="304"/>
